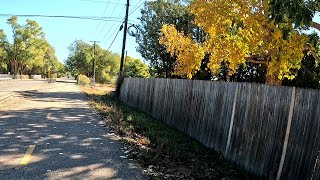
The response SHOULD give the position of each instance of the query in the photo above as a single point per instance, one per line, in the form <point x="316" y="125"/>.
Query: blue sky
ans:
<point x="62" y="32"/>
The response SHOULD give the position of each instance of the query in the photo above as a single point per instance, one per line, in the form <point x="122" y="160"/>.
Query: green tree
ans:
<point x="154" y="15"/>
<point x="60" y="69"/>
<point x="301" y="12"/>
<point x="136" y="68"/>
<point x="3" y="52"/>
<point x="28" y="48"/>
<point x="80" y="61"/>
<point x="107" y="66"/>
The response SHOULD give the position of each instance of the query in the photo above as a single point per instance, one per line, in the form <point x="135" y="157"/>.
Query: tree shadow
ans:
<point x="70" y="142"/>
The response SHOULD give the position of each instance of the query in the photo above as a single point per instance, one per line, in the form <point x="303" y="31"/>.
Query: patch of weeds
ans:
<point x="163" y="152"/>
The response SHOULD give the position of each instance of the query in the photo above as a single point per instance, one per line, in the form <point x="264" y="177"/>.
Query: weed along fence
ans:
<point x="271" y="131"/>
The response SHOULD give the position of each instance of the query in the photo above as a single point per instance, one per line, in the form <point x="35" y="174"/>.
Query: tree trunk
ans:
<point x="271" y="80"/>
<point x="12" y="67"/>
<point x="16" y="68"/>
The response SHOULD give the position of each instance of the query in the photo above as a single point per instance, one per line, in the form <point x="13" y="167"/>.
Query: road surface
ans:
<point x="47" y="131"/>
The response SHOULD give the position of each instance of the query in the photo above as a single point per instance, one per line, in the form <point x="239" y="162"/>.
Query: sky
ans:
<point x="61" y="32"/>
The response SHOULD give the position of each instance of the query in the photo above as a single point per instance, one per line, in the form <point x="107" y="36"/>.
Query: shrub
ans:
<point x="83" y="80"/>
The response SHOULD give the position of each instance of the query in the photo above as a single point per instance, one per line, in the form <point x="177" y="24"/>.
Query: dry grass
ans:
<point x="163" y="152"/>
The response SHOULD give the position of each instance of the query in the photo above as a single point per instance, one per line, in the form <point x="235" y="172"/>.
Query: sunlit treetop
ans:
<point x="237" y="31"/>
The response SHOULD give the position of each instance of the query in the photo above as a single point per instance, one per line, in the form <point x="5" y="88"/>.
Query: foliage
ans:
<point x="136" y="68"/>
<point x="60" y="69"/>
<point x="29" y="53"/>
<point x="81" y="59"/>
<point x="3" y="53"/>
<point x="189" y="53"/>
<point x="154" y="15"/>
<point x="309" y="73"/>
<point x="83" y="80"/>
<point x="301" y="12"/>
<point x="237" y="31"/>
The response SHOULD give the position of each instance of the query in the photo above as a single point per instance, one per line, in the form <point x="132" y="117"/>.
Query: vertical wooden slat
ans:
<point x="232" y="120"/>
<point x="246" y="122"/>
<point x="304" y="137"/>
<point x="285" y="144"/>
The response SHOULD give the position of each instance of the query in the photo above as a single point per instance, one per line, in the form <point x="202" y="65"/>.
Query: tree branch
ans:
<point x="315" y="25"/>
<point x="250" y="59"/>
<point x="313" y="52"/>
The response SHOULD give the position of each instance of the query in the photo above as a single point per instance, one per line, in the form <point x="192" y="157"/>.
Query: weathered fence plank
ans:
<point x="304" y="140"/>
<point x="255" y="133"/>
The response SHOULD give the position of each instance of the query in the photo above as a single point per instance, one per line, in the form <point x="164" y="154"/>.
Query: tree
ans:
<point x="80" y="61"/>
<point x="154" y="15"/>
<point x="136" y="68"/>
<point x="301" y="12"/>
<point x="3" y="52"/>
<point x="308" y="75"/>
<point x="28" y="48"/>
<point x="29" y="53"/>
<point x="237" y="31"/>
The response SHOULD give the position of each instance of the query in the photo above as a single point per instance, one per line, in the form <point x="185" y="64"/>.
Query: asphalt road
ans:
<point x="8" y="88"/>
<point x="47" y="131"/>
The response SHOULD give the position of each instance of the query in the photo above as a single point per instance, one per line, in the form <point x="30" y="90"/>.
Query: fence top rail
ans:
<point x="240" y="83"/>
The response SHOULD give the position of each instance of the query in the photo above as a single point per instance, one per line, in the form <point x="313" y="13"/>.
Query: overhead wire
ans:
<point x="114" y="24"/>
<point x="106" y="23"/>
<point x="111" y="27"/>
<point x="137" y="7"/>
<point x="115" y="38"/>
<point x="96" y="18"/>
<point x="104" y="12"/>
<point x="117" y="32"/>
<point x="104" y="2"/>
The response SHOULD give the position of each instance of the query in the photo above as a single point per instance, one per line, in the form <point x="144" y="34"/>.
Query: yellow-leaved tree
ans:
<point x="236" y="31"/>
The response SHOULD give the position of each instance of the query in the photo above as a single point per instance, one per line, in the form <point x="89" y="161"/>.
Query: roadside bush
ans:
<point x="83" y="80"/>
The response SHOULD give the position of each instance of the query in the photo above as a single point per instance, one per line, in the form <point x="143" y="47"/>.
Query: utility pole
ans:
<point x="124" y="39"/>
<point x="94" y="62"/>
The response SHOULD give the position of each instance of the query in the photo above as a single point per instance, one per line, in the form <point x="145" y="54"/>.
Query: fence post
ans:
<point x="232" y="119"/>
<point x="286" y="139"/>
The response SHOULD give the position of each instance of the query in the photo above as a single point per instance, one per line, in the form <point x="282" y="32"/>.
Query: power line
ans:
<point x="110" y="29"/>
<point x="115" y="37"/>
<point x="111" y="14"/>
<point x="105" y="10"/>
<point x="96" y="18"/>
<point x="112" y="25"/>
<point x="104" y="2"/>
<point x="124" y="7"/>
<point x="112" y="32"/>
<point x="137" y="7"/>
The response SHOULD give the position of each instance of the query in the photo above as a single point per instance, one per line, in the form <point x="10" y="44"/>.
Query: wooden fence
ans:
<point x="269" y="130"/>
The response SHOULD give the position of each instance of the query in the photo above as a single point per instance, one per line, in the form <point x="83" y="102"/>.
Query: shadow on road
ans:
<point x="70" y="142"/>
